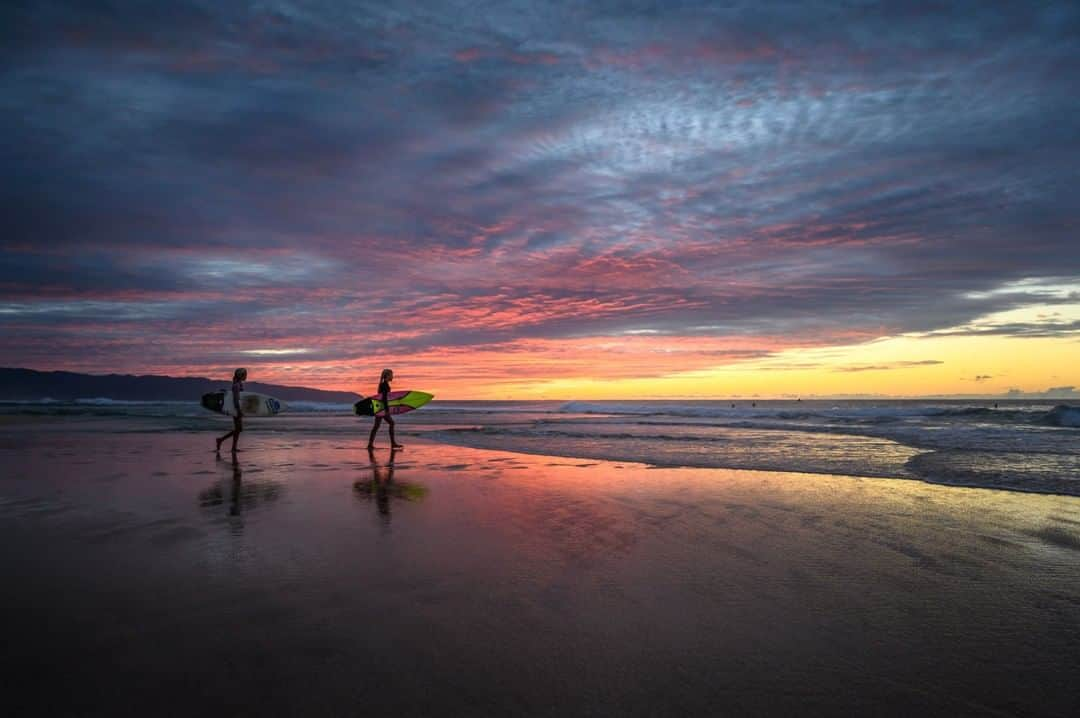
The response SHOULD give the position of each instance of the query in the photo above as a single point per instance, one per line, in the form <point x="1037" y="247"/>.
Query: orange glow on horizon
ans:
<point x="640" y="367"/>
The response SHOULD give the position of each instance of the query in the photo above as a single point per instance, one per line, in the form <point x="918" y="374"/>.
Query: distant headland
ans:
<point x="31" y="385"/>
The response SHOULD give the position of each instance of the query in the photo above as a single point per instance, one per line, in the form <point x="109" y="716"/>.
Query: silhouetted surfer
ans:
<point x="385" y="378"/>
<point x="238" y="379"/>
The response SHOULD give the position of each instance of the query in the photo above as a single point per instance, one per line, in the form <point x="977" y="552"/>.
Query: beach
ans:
<point x="145" y="574"/>
<point x="734" y="348"/>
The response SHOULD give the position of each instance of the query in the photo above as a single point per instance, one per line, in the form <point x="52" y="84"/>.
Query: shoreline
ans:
<point x="307" y="427"/>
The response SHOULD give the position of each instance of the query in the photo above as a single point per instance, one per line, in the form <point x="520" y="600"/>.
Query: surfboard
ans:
<point x="251" y="403"/>
<point x="400" y="402"/>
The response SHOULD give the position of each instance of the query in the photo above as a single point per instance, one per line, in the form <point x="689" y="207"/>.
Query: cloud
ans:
<point x="890" y="366"/>
<point x="1054" y="392"/>
<point x="429" y="179"/>
<point x="1015" y="329"/>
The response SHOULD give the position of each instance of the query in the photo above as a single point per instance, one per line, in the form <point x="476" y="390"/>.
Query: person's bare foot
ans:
<point x="371" y="447"/>
<point x="397" y="446"/>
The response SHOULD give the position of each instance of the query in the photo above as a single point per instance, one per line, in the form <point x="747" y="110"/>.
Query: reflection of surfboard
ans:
<point x="400" y="402"/>
<point x="251" y="404"/>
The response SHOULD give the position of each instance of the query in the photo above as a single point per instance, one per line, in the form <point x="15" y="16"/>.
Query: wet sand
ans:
<point x="143" y="574"/>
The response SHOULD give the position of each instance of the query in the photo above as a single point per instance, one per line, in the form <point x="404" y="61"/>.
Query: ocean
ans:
<point x="1011" y="445"/>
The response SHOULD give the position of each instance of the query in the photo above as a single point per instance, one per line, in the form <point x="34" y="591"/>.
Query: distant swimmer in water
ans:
<point x="238" y="379"/>
<point x="385" y="378"/>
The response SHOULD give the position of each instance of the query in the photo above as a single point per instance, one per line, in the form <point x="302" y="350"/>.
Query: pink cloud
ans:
<point x="517" y="57"/>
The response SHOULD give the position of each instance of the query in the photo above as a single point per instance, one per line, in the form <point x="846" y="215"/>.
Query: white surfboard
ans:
<point x="251" y="403"/>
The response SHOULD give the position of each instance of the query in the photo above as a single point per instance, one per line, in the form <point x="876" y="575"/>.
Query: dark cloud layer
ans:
<point x="478" y="173"/>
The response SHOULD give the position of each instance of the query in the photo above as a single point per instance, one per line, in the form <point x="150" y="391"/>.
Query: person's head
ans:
<point x="240" y="374"/>
<point x="387" y="375"/>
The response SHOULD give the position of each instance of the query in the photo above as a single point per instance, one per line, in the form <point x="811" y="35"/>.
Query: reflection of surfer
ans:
<point x="381" y="478"/>
<point x="237" y="485"/>
<point x="380" y="485"/>
<point x="383" y="488"/>
<point x="385" y="378"/>
<point x="238" y="495"/>
<point x="239" y="376"/>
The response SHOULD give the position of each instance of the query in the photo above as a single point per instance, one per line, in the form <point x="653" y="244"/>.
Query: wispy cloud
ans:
<point x="274" y="352"/>
<point x="888" y="367"/>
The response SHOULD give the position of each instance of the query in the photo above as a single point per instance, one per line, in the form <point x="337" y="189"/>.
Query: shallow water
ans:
<point x="1015" y="445"/>
<point x="141" y="571"/>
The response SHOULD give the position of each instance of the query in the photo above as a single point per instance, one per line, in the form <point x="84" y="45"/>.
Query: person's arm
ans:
<point x="385" y="396"/>
<point x="236" y="398"/>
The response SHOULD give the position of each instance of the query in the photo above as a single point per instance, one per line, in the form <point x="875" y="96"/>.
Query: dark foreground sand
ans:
<point x="142" y="575"/>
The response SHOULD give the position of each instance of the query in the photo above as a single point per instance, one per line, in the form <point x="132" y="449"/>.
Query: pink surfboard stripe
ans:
<point x="394" y="410"/>
<point x="389" y="397"/>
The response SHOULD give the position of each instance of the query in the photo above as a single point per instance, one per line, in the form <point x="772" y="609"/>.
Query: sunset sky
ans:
<point x="547" y="199"/>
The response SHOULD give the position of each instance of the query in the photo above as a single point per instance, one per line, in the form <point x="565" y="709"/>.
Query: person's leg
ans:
<point x="393" y="441"/>
<point x="221" y="440"/>
<point x="374" y="429"/>
<point x="238" y="426"/>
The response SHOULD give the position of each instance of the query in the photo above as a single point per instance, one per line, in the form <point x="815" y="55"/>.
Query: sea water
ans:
<point x="1014" y="445"/>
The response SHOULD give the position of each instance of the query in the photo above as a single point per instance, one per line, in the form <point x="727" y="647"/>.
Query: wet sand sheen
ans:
<point x="143" y="571"/>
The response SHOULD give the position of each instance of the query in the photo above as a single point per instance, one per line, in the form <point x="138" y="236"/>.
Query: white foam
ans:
<point x="320" y="407"/>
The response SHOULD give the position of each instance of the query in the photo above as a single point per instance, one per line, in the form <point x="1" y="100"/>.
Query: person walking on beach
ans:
<point x="238" y="379"/>
<point x="385" y="378"/>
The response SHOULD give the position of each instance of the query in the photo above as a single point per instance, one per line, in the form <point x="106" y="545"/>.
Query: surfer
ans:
<point x="238" y="379"/>
<point x="385" y="378"/>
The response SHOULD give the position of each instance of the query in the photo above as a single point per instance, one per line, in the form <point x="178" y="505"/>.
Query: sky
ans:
<point x="547" y="199"/>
